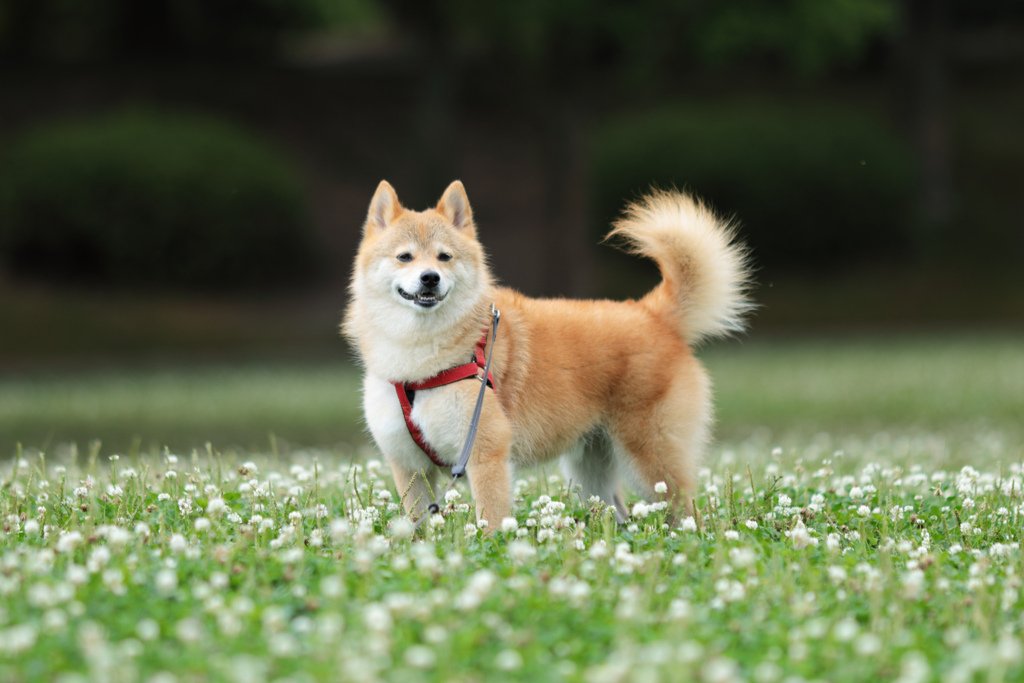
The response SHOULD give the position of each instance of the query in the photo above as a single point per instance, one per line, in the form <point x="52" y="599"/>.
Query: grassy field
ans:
<point x="860" y="519"/>
<point x="956" y="385"/>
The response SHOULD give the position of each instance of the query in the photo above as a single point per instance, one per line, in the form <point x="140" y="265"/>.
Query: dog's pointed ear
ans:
<point x="454" y="206"/>
<point x="384" y="208"/>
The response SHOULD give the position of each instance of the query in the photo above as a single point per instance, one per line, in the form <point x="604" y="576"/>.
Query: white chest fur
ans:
<point x="442" y="414"/>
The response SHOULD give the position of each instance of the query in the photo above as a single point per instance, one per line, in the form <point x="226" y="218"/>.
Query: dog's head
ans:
<point x="420" y="259"/>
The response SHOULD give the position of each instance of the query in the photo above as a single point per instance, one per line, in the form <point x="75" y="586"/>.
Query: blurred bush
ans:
<point x="152" y="198"/>
<point x="811" y="187"/>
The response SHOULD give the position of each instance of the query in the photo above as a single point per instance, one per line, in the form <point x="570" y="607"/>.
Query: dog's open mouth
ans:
<point x="424" y="299"/>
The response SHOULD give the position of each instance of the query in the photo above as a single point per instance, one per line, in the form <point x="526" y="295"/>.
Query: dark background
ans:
<point x="189" y="177"/>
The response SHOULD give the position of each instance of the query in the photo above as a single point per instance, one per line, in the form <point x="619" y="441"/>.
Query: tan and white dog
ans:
<point x="612" y="388"/>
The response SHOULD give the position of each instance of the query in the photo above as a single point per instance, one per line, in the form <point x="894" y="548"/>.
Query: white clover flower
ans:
<point x="766" y="672"/>
<point x="742" y="557"/>
<point x="420" y="657"/>
<point x="202" y="524"/>
<point x="69" y="541"/>
<point x="17" y="639"/>
<point x="54" y="620"/>
<point x="522" y="551"/>
<point x="845" y="630"/>
<point x="117" y="538"/>
<point x="508" y="660"/>
<point x="730" y="590"/>
<point x="113" y="579"/>
<point x="640" y="510"/>
<point x="436" y="521"/>
<point x="291" y="555"/>
<point x="435" y="634"/>
<point x="867" y="644"/>
<point x="689" y="524"/>
<point x="751" y="524"/>
<point x="76" y="574"/>
<point x="509" y="524"/>
<point x="451" y="496"/>
<point x="31" y="527"/>
<point x="1008" y="649"/>
<point x="216" y="507"/>
<point x="914" y="668"/>
<point x="599" y="550"/>
<point x="799" y="536"/>
<point x="177" y="543"/>
<point x="732" y="535"/>
<point x="340" y="529"/>
<point x="189" y="630"/>
<point x="661" y="487"/>
<point x="913" y="584"/>
<point x="1001" y="549"/>
<point x="166" y="581"/>
<point x="720" y="670"/>
<point x="400" y="528"/>
<point x="377" y="617"/>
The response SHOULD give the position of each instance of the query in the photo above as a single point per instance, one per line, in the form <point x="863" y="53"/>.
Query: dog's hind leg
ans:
<point x="590" y="469"/>
<point x="665" y="442"/>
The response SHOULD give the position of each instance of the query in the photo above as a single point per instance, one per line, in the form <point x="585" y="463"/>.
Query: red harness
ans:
<point x="407" y="393"/>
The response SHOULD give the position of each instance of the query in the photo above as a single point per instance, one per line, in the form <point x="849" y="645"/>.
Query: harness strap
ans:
<point x="407" y="393"/>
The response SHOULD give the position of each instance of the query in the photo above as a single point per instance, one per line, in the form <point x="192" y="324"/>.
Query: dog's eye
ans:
<point x="404" y="257"/>
<point x="444" y="256"/>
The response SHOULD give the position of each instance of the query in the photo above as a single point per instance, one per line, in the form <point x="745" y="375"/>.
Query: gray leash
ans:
<point x="459" y="468"/>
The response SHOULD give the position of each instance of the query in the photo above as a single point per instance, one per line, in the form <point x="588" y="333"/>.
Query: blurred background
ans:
<point x="182" y="185"/>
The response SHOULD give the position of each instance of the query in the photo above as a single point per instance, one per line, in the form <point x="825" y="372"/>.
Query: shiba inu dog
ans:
<point x="612" y="388"/>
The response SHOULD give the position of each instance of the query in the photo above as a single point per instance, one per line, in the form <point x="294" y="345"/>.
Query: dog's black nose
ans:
<point x="430" y="279"/>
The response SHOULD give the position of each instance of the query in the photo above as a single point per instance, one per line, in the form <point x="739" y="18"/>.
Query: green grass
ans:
<point x="954" y="385"/>
<point x="859" y="520"/>
<point x="184" y="407"/>
<point x="865" y="565"/>
<point x="856" y="384"/>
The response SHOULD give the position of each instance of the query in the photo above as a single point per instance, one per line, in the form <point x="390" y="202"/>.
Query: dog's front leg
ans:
<point x="489" y="467"/>
<point x="415" y="488"/>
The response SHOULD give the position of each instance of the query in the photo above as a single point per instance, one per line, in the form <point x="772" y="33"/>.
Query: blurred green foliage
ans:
<point x="648" y="40"/>
<point x="152" y="198"/>
<point x="813" y="186"/>
<point x="100" y="30"/>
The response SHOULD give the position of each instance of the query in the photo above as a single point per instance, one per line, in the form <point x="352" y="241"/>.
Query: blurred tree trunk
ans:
<point x="925" y="86"/>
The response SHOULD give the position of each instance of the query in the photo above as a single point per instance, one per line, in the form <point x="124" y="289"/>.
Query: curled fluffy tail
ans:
<point x="706" y="274"/>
